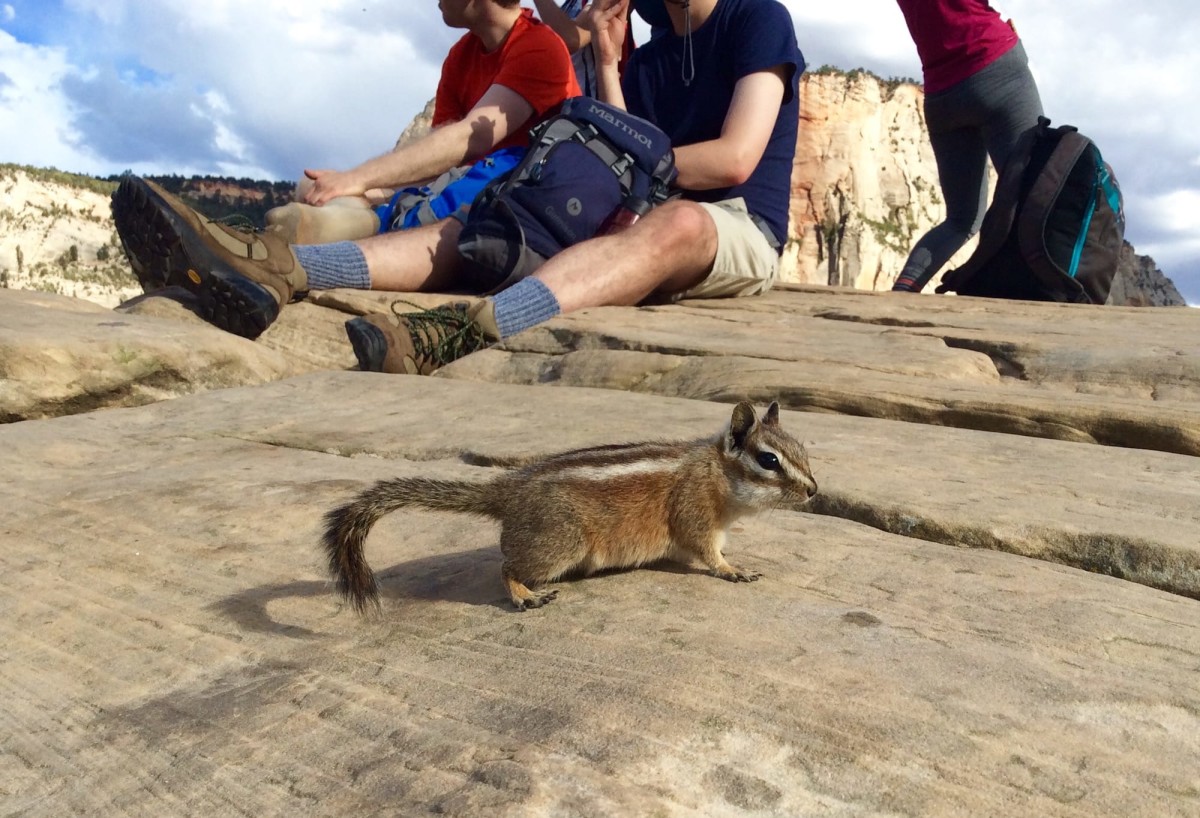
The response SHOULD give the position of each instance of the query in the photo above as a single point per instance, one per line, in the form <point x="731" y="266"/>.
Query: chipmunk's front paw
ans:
<point x="732" y="574"/>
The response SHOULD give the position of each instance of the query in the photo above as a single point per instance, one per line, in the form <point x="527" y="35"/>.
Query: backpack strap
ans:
<point x="1040" y="201"/>
<point x="645" y="144"/>
<point x="417" y="198"/>
<point x="621" y="163"/>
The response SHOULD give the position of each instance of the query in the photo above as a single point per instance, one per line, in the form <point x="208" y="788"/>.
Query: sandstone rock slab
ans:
<point x="1119" y="376"/>
<point x="1116" y="376"/>
<point x="62" y="355"/>
<point x="172" y="646"/>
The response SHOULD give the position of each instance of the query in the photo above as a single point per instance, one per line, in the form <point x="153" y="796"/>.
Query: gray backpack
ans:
<point x="1055" y="227"/>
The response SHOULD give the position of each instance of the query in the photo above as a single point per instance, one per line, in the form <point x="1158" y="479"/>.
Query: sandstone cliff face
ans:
<point x="58" y="237"/>
<point x="864" y="183"/>
<point x="419" y="126"/>
<point x="1139" y="283"/>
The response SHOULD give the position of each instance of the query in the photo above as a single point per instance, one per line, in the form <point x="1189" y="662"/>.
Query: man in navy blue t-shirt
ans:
<point x="723" y="85"/>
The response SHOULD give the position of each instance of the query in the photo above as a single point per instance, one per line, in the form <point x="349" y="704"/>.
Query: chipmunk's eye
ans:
<point x="769" y="461"/>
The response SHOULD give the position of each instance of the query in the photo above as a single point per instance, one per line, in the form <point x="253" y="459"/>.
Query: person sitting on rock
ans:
<point x="506" y="73"/>
<point x="979" y="98"/>
<point x="723" y="86"/>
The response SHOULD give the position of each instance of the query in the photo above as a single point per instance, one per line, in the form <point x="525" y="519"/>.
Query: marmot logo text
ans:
<point x="620" y="123"/>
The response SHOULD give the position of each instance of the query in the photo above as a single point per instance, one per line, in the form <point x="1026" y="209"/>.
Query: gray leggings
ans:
<point x="979" y="117"/>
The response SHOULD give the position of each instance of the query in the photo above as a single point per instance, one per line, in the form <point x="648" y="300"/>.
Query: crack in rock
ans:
<point x="1140" y="561"/>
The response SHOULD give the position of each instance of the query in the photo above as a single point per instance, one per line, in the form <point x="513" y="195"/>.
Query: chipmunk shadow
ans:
<point x="468" y="577"/>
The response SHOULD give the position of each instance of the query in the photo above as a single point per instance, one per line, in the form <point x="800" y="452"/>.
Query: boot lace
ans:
<point x="441" y="334"/>
<point x="238" y="221"/>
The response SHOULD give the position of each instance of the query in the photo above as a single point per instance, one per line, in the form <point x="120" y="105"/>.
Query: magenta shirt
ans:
<point x="955" y="38"/>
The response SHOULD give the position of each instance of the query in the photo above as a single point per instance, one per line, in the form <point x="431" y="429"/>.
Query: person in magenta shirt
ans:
<point x="979" y="98"/>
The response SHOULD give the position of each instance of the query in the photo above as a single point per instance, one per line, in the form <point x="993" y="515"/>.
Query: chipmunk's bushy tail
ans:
<point x="346" y="527"/>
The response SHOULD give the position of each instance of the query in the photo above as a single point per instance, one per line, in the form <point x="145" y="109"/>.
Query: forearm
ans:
<point x="710" y="165"/>
<point x="608" y="21"/>
<point x="552" y="15"/>
<point x="732" y="158"/>
<point x="443" y="148"/>
<point x="608" y="84"/>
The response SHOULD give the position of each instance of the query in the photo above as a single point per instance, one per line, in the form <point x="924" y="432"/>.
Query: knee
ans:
<point x="680" y="222"/>
<point x="965" y="225"/>
<point x="975" y="224"/>
<point x="303" y="186"/>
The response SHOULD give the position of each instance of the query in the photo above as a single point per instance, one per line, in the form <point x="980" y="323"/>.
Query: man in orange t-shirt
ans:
<point x="529" y="62"/>
<point x="503" y="76"/>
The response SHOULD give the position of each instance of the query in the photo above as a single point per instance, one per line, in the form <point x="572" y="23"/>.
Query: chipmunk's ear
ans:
<point x="741" y="424"/>
<point x="771" y="418"/>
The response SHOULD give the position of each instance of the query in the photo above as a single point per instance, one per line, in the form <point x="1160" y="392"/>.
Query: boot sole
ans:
<point x="369" y="343"/>
<point x="165" y="251"/>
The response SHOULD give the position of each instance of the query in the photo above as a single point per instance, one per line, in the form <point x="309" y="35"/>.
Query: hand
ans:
<point x="331" y="184"/>
<point x="607" y="19"/>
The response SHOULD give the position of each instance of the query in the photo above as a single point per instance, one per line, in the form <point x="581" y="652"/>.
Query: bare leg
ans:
<point x="420" y="259"/>
<point x="668" y="250"/>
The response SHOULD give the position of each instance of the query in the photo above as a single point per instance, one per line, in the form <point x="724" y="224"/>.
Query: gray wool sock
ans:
<point x="525" y="304"/>
<point x="340" y="264"/>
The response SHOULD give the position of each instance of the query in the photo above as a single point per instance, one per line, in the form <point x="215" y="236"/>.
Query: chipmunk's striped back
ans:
<point x="611" y="506"/>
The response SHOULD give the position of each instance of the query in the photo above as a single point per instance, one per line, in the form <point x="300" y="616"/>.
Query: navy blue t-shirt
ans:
<point x="740" y="37"/>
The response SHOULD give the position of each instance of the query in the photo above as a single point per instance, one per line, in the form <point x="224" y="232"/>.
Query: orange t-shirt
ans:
<point x="533" y="62"/>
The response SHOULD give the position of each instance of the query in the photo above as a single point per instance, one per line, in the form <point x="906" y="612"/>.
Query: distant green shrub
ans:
<point x="889" y="84"/>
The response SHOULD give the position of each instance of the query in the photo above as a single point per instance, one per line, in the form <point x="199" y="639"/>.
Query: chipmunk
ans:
<point x="617" y="506"/>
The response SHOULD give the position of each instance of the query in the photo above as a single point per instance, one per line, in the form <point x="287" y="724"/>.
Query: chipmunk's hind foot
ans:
<point x="523" y="598"/>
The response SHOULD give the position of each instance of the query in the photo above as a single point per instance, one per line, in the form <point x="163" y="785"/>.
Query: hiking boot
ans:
<point x="418" y="343"/>
<point x="240" y="278"/>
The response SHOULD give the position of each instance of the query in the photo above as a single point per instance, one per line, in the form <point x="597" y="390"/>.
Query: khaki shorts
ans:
<point x="746" y="263"/>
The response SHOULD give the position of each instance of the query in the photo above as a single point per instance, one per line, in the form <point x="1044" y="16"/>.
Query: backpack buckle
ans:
<point x="622" y="165"/>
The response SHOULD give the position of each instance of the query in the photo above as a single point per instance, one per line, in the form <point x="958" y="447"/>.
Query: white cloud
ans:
<point x="307" y="82"/>
<point x="33" y="113"/>
<point x="1177" y="211"/>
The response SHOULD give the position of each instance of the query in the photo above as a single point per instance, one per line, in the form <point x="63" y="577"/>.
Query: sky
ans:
<point x="264" y="88"/>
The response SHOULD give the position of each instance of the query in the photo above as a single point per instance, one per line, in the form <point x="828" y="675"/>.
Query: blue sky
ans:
<point x="264" y="88"/>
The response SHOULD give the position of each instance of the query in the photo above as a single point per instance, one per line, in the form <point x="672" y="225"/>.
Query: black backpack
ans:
<point x="1055" y="227"/>
<point x="584" y="164"/>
